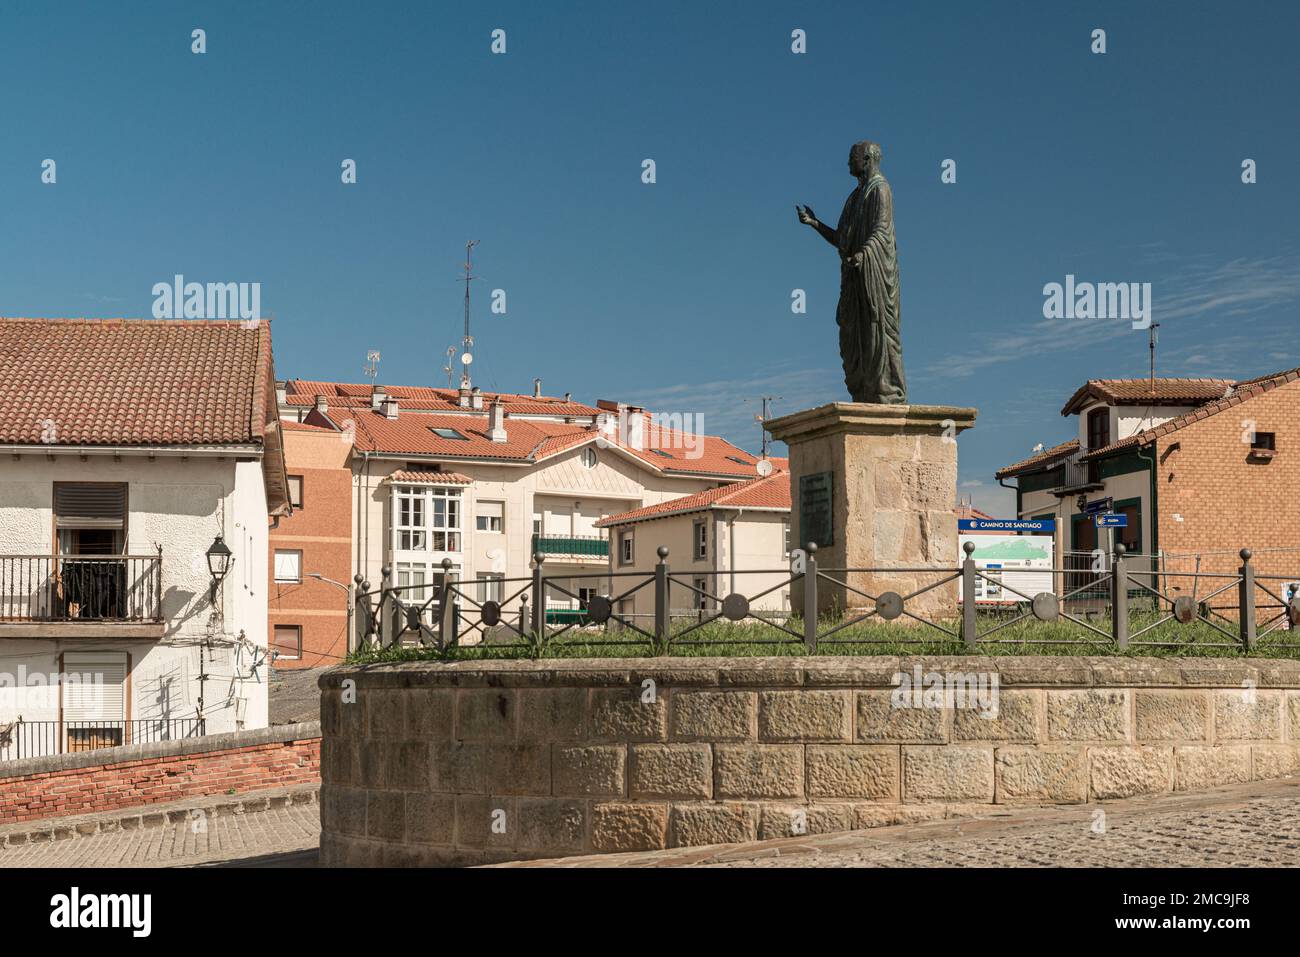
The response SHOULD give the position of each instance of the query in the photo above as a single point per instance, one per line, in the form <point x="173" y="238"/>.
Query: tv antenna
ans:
<point x="762" y="417"/>
<point x="450" y="367"/>
<point x="371" y="369"/>
<point x="1153" y="339"/>
<point x="467" y="343"/>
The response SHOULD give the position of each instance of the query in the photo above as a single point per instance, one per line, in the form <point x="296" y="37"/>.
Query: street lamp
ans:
<point x="347" y="590"/>
<point x="220" y="558"/>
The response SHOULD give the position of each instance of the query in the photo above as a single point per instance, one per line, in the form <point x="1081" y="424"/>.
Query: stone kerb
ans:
<point x="431" y="763"/>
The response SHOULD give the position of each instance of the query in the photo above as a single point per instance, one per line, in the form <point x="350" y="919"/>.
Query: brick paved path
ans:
<point x="272" y="828"/>
<point x="1256" y="825"/>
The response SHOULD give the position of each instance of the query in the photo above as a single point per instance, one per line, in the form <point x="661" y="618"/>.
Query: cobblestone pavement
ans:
<point x="1255" y="825"/>
<point x="285" y="836"/>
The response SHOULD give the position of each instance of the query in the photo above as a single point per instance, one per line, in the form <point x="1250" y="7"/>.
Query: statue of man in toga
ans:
<point x="867" y="314"/>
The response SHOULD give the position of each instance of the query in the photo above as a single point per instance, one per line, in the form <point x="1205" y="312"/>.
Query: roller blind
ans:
<point x="89" y="505"/>
<point x="94" y="687"/>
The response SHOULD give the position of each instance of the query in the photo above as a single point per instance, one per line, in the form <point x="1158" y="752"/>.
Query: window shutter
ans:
<point x="94" y="687"/>
<point x="89" y="506"/>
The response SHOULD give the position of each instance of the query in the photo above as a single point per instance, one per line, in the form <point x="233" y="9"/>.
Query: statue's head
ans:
<point x="864" y="158"/>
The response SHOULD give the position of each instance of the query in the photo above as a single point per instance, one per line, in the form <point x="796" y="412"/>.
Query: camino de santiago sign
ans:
<point x="1012" y="553"/>
<point x="1034" y="525"/>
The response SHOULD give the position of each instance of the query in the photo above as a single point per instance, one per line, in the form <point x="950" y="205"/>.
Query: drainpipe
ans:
<point x="731" y="555"/>
<point x="1154" y="517"/>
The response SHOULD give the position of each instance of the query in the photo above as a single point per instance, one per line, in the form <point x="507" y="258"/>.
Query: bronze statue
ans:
<point x="867" y="315"/>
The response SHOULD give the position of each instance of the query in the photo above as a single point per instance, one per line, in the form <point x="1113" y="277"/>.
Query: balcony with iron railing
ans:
<point x="1077" y="475"/>
<point x="577" y="548"/>
<point x="65" y="595"/>
<point x="38" y="739"/>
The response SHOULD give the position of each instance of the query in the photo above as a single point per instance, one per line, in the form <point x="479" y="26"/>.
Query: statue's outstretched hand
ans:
<point x="806" y="215"/>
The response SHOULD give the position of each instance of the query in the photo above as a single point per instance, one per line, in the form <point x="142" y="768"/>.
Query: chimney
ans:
<point x="378" y="394"/>
<point x="463" y="399"/>
<point x="321" y="404"/>
<point x="497" y="421"/>
<point x="476" y="398"/>
<point x="537" y="388"/>
<point x="281" y="391"/>
<point x="390" y="407"/>
<point x="568" y="396"/>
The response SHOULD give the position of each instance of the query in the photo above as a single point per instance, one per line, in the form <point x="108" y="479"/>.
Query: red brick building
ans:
<point x="309" y="615"/>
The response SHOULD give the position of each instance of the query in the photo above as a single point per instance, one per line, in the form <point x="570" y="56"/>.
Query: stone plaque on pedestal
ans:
<point x="886" y="478"/>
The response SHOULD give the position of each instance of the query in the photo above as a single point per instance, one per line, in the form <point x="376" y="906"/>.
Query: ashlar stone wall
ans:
<point x="433" y="764"/>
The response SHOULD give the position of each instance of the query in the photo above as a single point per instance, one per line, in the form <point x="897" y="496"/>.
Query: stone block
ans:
<point x="1274" y="761"/>
<point x="880" y="721"/>
<point x="557" y="826"/>
<point x="1019" y="718"/>
<point x="804" y="716"/>
<point x="1197" y="767"/>
<point x="343" y="810"/>
<point x="1089" y="714"/>
<point x="793" y="820"/>
<point x="618" y="826"/>
<point x="1048" y="775"/>
<point x="1247" y="715"/>
<point x="385" y="815"/>
<point x="672" y="771"/>
<point x="551" y="714"/>
<point x="714" y="715"/>
<point x="385" y="710"/>
<point x="597" y="770"/>
<point x="429" y="713"/>
<point x="486" y="820"/>
<point x="853" y="771"/>
<point x="950" y="773"/>
<point x="695" y="825"/>
<point x="485" y="715"/>
<point x="518" y="769"/>
<point x="758" y="771"/>
<point x="1119" y="772"/>
<point x="1171" y="715"/>
<point x="621" y="714"/>
<point x="430" y="818"/>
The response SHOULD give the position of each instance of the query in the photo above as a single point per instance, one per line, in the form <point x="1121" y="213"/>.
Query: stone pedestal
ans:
<point x="875" y="486"/>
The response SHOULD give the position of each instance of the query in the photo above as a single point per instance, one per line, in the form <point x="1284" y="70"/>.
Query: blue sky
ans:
<point x="226" y="167"/>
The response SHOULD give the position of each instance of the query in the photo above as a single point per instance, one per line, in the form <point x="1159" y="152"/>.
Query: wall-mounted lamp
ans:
<point x="220" y="558"/>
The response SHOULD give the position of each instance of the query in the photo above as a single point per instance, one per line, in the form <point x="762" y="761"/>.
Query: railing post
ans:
<point x="385" y="600"/>
<point x="523" y="616"/>
<point x="662" y="623"/>
<point x="810" y="597"/>
<point x="1119" y="598"/>
<point x="447" y="608"/>
<point x="968" y="624"/>
<point x="157" y="577"/>
<point x="539" y="599"/>
<point x="1246" y="601"/>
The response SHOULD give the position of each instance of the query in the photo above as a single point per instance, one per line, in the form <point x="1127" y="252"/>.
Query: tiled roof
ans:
<point x="1040" y="459"/>
<point x="1244" y="392"/>
<point x="427" y="477"/>
<point x="770" y="492"/>
<point x="534" y="440"/>
<point x="1140" y="392"/>
<point x="135" y="382"/>
<point x="292" y="426"/>
<point x="428" y="398"/>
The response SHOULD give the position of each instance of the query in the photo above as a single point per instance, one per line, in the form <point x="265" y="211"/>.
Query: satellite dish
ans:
<point x="466" y="359"/>
<point x="764" y="468"/>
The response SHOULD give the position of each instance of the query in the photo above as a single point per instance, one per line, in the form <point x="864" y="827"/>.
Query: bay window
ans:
<point x="426" y="519"/>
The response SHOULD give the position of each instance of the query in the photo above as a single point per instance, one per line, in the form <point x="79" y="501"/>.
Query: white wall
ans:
<point x="180" y="505"/>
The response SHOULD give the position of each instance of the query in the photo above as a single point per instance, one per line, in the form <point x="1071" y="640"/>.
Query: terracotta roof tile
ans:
<point x="770" y="492"/>
<point x="427" y="477"/>
<point x="134" y="381"/>
<point x="1139" y="392"/>
<point x="1045" y="457"/>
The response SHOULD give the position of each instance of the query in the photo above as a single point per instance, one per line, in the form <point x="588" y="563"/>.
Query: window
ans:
<point x="489" y="586"/>
<point x="625" y="548"/>
<point x="589" y="458"/>
<point x="94" y="699"/>
<point x="1263" y="445"/>
<point x="295" y="491"/>
<point x="449" y="434"/>
<point x="537" y="525"/>
<point x="738" y="460"/>
<point x="90" y="517"/>
<point x="489" y="516"/>
<point x="701" y="538"/>
<point x="288" y="565"/>
<point x="1099" y="428"/>
<point x="661" y="452"/>
<point x="287" y="641"/>
<point x="701" y="594"/>
<point x="785" y="533"/>
<point x="426" y="519"/>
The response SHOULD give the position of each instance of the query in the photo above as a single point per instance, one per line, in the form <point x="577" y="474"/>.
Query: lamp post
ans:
<point x="347" y="590"/>
<point x="220" y="558"/>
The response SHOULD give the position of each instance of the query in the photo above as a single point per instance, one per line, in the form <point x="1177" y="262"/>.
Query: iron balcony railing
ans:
<point x="1076" y="474"/>
<point x="584" y="546"/>
<point x="38" y="739"/>
<point x="81" y="588"/>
